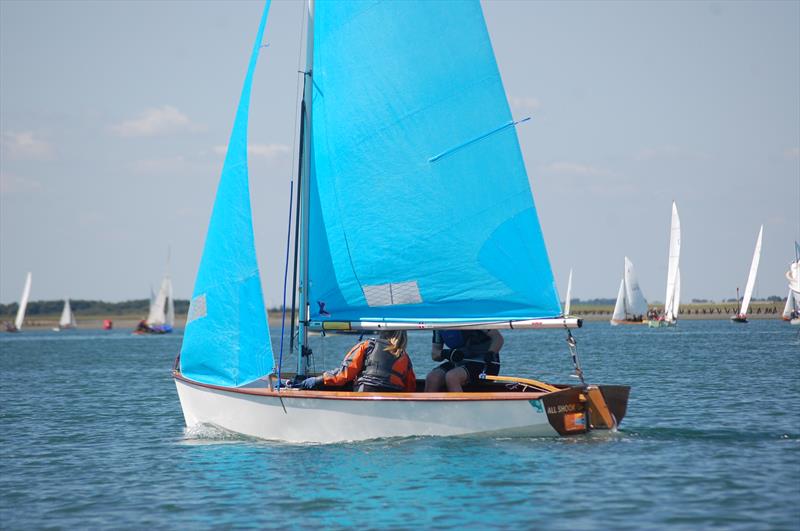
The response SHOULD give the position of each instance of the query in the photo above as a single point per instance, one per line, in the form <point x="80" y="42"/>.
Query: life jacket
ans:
<point x="474" y="343"/>
<point x="383" y="369"/>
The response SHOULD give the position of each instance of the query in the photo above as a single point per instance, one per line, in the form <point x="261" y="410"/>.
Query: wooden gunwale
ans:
<point x="349" y="395"/>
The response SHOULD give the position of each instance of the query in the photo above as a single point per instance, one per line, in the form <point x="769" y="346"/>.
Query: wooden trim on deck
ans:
<point x="349" y="395"/>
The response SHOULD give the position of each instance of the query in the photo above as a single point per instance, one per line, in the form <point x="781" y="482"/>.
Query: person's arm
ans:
<point x="497" y="340"/>
<point x="436" y="346"/>
<point x="351" y="367"/>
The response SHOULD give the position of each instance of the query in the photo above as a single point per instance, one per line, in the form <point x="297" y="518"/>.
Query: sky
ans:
<point x="114" y="117"/>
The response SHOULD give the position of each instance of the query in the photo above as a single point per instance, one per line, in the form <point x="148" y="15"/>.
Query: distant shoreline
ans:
<point x="709" y="311"/>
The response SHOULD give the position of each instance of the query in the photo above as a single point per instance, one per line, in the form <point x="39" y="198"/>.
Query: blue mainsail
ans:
<point x="226" y="341"/>
<point x="420" y="204"/>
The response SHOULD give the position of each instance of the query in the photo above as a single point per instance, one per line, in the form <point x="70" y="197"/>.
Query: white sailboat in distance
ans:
<point x="791" y="312"/>
<point x="672" y="298"/>
<point x="631" y="306"/>
<point x="741" y="313"/>
<point x="67" y="320"/>
<point x="16" y="326"/>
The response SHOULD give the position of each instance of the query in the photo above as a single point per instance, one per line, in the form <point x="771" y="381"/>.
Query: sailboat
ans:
<point x="631" y="306"/>
<point x="67" y="320"/>
<point x="415" y="213"/>
<point x="672" y="298"/>
<point x="791" y="311"/>
<point x="16" y="326"/>
<point x="161" y="317"/>
<point x="741" y="312"/>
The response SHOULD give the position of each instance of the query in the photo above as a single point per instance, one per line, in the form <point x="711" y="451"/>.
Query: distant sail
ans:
<point x="670" y="309"/>
<point x="619" y="307"/>
<point x="23" y="303"/>
<point x="569" y="294"/>
<point x="157" y="316"/>
<point x="792" y="305"/>
<point x="635" y="303"/>
<point x="793" y="274"/>
<point x="170" y="317"/>
<point x="67" y="317"/>
<point x="751" y="278"/>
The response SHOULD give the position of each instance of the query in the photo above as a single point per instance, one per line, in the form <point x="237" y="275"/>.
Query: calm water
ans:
<point x="92" y="435"/>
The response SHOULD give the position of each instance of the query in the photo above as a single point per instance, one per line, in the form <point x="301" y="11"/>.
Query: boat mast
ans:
<point x="305" y="184"/>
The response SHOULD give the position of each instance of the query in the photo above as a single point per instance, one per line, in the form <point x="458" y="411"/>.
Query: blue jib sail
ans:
<point x="226" y="341"/>
<point x="420" y="203"/>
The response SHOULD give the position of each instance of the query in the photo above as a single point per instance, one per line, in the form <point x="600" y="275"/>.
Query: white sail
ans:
<point x="635" y="303"/>
<point x="791" y="305"/>
<point x="67" y="317"/>
<point x="23" y="303"/>
<point x="619" y="307"/>
<point x="793" y="276"/>
<point x="676" y="303"/>
<point x="157" y="317"/>
<point x="670" y="312"/>
<point x="170" y="320"/>
<point x="569" y="294"/>
<point x="751" y="278"/>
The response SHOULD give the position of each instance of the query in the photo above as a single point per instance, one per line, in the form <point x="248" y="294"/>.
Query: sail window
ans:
<point x="392" y="294"/>
<point x="197" y="308"/>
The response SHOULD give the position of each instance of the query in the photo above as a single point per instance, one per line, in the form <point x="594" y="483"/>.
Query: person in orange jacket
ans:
<point x="380" y="364"/>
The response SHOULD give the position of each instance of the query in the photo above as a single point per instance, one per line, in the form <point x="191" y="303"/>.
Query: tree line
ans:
<point x="87" y="307"/>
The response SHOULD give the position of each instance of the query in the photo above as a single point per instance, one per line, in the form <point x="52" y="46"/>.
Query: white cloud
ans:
<point x="658" y="153"/>
<point x="669" y="151"/>
<point x="792" y="153"/>
<point x="25" y="145"/>
<point x="525" y="104"/>
<point x="268" y="151"/>
<point x="154" y="122"/>
<point x="161" y="166"/>
<point x="574" y="168"/>
<point x="15" y="184"/>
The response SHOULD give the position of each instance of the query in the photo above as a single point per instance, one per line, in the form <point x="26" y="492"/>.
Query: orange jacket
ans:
<point x="354" y="362"/>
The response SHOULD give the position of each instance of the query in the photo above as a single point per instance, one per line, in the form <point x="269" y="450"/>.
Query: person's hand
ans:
<point x="309" y="383"/>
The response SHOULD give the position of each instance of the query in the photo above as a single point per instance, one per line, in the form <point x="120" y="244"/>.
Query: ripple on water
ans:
<point x="92" y="435"/>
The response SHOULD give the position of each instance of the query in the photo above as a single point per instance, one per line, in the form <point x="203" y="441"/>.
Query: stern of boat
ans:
<point x="577" y="410"/>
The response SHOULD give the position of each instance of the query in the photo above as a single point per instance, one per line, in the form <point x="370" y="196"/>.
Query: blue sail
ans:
<point x="420" y="204"/>
<point x="226" y="341"/>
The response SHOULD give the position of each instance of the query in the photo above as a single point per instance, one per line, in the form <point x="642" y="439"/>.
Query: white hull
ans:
<point x="339" y="417"/>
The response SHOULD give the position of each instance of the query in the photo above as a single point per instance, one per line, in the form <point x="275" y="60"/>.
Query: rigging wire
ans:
<point x="572" y="343"/>
<point x="300" y="105"/>
<point x="285" y="275"/>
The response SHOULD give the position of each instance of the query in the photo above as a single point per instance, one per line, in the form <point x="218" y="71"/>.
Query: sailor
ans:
<point x="469" y="353"/>
<point x="377" y="365"/>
